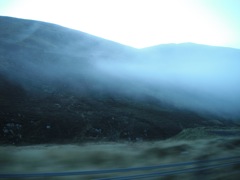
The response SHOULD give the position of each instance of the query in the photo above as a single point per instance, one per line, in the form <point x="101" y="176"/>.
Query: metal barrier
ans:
<point x="201" y="165"/>
<point x="173" y="172"/>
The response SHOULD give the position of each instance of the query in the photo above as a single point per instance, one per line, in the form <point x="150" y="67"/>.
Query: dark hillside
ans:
<point x="52" y="91"/>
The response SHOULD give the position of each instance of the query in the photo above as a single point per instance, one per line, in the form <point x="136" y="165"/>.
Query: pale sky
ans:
<point x="139" y="23"/>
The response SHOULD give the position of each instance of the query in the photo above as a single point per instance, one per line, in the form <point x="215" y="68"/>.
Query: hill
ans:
<point x="61" y="85"/>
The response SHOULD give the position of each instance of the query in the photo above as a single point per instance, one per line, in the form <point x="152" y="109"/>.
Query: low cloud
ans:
<point x="205" y="83"/>
<point x="195" y="77"/>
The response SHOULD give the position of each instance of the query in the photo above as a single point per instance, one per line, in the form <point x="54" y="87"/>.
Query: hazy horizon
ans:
<point x="139" y="23"/>
<point x="181" y="43"/>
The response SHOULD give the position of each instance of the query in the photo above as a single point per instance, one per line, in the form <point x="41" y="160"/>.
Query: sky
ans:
<point x="139" y="23"/>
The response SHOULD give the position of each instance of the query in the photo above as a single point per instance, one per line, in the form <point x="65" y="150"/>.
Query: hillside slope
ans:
<point x="61" y="85"/>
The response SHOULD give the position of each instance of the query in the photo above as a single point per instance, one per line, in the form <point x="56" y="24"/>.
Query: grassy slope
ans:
<point x="58" y="158"/>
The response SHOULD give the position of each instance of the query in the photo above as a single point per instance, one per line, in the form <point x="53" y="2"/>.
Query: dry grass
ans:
<point x="58" y="158"/>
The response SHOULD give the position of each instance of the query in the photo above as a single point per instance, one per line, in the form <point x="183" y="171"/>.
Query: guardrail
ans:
<point x="200" y="165"/>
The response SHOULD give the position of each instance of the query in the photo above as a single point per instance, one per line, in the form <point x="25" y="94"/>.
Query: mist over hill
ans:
<point x="58" y="84"/>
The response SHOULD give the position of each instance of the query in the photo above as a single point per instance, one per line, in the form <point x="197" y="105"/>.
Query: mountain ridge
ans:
<point x="56" y="88"/>
<point x="38" y="22"/>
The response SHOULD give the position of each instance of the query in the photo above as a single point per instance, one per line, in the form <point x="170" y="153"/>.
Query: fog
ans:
<point x="202" y="78"/>
<point x="205" y="83"/>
